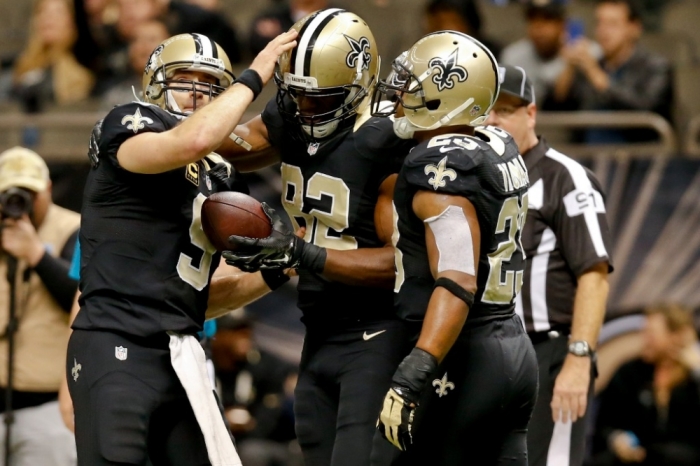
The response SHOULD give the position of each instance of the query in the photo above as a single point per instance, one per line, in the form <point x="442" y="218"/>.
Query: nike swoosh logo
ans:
<point x="447" y="149"/>
<point x="368" y="336"/>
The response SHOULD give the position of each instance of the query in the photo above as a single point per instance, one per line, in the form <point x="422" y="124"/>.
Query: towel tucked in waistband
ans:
<point x="189" y="363"/>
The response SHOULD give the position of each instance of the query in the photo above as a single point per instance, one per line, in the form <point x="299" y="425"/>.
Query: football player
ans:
<point x="338" y="171"/>
<point x="135" y="368"/>
<point x="465" y="392"/>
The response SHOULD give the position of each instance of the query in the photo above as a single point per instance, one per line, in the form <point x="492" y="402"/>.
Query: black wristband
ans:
<point x="313" y="258"/>
<point x="252" y="80"/>
<point x="274" y="278"/>
<point x="413" y="374"/>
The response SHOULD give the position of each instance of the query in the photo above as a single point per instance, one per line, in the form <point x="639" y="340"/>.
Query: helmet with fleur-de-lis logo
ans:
<point x="332" y="69"/>
<point x="189" y="52"/>
<point x="446" y="79"/>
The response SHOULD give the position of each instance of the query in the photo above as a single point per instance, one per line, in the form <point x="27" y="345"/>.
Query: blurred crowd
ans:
<point x="611" y="71"/>
<point x="95" y="51"/>
<point x="648" y="413"/>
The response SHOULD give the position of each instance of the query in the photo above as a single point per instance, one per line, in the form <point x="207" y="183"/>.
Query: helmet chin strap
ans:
<point x="171" y="103"/>
<point x="479" y="120"/>
<point x="406" y="127"/>
<point x="320" y="131"/>
<point x="136" y="97"/>
<point x="326" y="129"/>
<point x="403" y="128"/>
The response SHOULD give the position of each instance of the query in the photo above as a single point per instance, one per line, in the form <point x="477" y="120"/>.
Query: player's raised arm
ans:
<point x="248" y="148"/>
<point x="208" y="127"/>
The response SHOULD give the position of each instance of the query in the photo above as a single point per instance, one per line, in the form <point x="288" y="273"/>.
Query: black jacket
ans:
<point x="628" y="404"/>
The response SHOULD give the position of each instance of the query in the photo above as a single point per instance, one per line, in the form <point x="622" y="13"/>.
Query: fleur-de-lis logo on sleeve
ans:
<point x="359" y="50"/>
<point x="439" y="172"/>
<point x="447" y="70"/>
<point x="443" y="385"/>
<point x="136" y="122"/>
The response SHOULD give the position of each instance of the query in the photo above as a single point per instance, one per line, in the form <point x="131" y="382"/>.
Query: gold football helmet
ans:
<point x="191" y="52"/>
<point x="446" y="79"/>
<point x="326" y="78"/>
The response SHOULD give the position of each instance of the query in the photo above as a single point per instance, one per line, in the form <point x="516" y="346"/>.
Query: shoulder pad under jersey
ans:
<point x="460" y="164"/>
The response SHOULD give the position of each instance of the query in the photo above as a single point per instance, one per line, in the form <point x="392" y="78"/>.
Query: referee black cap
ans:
<point x="514" y="81"/>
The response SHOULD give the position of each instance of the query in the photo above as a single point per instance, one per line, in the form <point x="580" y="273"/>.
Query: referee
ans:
<point x="565" y="287"/>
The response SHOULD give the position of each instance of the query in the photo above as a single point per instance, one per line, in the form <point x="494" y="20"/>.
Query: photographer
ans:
<point x="37" y="239"/>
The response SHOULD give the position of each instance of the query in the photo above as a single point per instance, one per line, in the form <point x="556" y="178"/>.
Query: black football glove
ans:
<point x="396" y="419"/>
<point x="281" y="250"/>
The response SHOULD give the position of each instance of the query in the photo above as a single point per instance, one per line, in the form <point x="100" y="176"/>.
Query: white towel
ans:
<point x="187" y="357"/>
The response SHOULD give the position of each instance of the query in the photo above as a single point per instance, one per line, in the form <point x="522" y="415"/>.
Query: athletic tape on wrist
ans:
<point x="413" y="374"/>
<point x="252" y="80"/>
<point x="274" y="278"/>
<point x="455" y="289"/>
<point x="313" y="258"/>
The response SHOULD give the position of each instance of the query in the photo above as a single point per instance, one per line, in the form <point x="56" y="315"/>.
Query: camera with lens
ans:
<point x="15" y="202"/>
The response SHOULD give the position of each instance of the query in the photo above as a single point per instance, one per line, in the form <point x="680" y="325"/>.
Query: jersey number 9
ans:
<point x="197" y="277"/>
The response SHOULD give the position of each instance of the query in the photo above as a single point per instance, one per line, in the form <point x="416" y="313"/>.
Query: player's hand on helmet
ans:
<point x="281" y="250"/>
<point x="264" y="63"/>
<point x="396" y="420"/>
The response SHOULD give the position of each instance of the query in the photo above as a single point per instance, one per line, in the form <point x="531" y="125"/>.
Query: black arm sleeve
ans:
<point x="53" y="272"/>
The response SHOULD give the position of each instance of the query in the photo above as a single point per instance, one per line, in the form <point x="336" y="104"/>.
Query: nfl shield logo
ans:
<point x="313" y="148"/>
<point x="120" y="352"/>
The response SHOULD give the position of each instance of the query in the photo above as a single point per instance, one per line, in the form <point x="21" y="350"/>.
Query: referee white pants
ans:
<point x="38" y="437"/>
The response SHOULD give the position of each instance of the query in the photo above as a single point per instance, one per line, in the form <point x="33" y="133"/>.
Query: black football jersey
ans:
<point x="331" y="188"/>
<point x="146" y="263"/>
<point x="487" y="169"/>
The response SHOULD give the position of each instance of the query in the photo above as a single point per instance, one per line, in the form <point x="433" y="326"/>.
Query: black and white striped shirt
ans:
<point x="565" y="234"/>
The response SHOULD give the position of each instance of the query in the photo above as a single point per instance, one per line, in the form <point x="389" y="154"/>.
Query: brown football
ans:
<point x="231" y="213"/>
